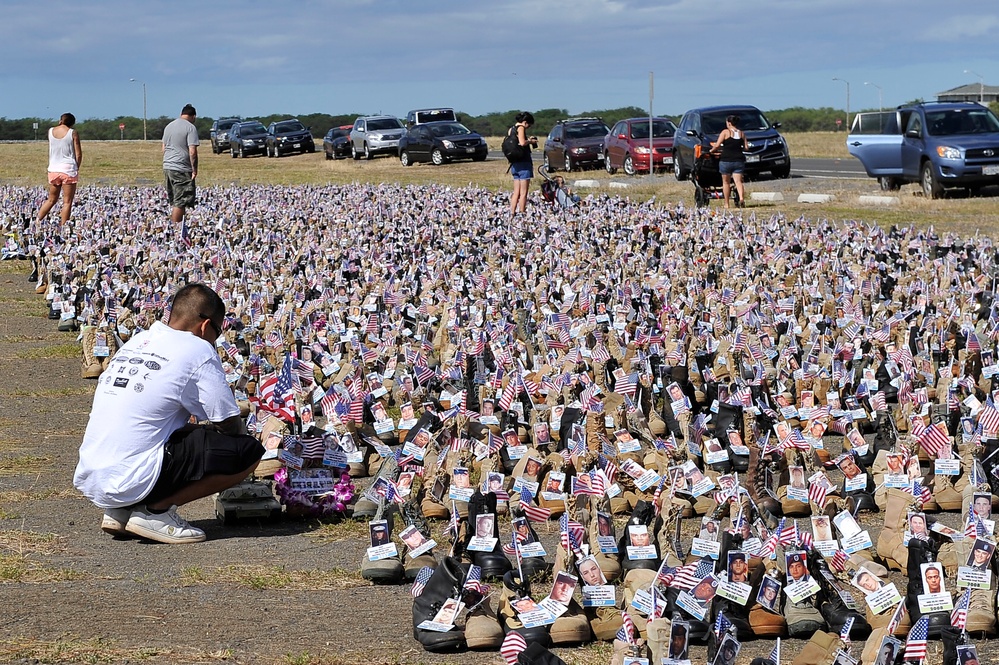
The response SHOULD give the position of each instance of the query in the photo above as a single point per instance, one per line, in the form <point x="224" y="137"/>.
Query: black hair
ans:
<point x="188" y="110"/>
<point x="525" y="116"/>
<point x="67" y="119"/>
<point x="734" y="119"/>
<point x="197" y="301"/>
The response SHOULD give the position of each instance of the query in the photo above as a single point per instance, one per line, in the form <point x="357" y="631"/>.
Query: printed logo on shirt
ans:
<point x="152" y="364"/>
<point x="138" y="387"/>
<point x="137" y="360"/>
<point x="120" y="382"/>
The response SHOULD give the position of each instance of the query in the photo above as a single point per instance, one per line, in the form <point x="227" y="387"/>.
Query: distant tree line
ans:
<point x="795" y="119"/>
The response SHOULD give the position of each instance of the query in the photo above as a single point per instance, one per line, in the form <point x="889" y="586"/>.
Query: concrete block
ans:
<point x="586" y="183"/>
<point x="766" y="196"/>
<point x="617" y="184"/>
<point x="815" y="198"/>
<point x="879" y="200"/>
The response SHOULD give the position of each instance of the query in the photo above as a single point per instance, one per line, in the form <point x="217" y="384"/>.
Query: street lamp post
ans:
<point x="143" y="106"/>
<point x="881" y="105"/>
<point x="981" y="86"/>
<point x="836" y="78"/>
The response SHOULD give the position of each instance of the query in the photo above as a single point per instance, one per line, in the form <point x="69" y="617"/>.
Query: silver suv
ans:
<point x="375" y="134"/>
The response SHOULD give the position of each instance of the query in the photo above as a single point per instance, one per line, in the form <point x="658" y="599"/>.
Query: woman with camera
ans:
<point x="523" y="169"/>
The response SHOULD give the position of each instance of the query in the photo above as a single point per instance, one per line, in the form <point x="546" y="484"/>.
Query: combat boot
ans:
<point x="889" y="545"/>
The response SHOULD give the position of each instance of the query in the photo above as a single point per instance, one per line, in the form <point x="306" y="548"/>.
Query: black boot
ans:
<point x="952" y="638"/>
<point x="445" y="583"/>
<point x="641" y="515"/>
<point x="494" y="563"/>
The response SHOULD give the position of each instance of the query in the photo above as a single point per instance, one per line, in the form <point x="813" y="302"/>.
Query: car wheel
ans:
<point x="607" y="164"/>
<point x="480" y="158"/>
<point x="782" y="172"/>
<point x="437" y="157"/>
<point x="546" y="163"/>
<point x="404" y="158"/>
<point x="931" y="188"/>
<point x="242" y="152"/>
<point x="568" y="163"/>
<point x="327" y="154"/>
<point x="367" y="151"/>
<point x="889" y="184"/>
<point x="629" y="165"/>
<point x="270" y="152"/>
<point x="678" y="170"/>
<point x="312" y="149"/>
<point x="232" y="152"/>
<point x="353" y="152"/>
<point x="215" y="148"/>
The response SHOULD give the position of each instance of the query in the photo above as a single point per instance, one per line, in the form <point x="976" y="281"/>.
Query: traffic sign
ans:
<point x="121" y="126"/>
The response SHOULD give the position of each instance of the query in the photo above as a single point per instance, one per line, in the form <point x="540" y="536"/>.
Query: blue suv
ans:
<point x="936" y="144"/>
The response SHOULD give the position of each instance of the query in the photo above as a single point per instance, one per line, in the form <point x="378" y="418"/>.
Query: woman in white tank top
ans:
<point x="65" y="157"/>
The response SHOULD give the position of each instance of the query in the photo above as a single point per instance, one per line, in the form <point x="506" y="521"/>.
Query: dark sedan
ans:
<point x="289" y="136"/>
<point x="440" y="143"/>
<point x="336" y="143"/>
<point x="246" y="138"/>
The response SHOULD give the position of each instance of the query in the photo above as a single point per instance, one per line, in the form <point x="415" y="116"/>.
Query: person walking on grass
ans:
<point x="732" y="160"/>
<point x="141" y="457"/>
<point x="65" y="158"/>
<point x="522" y="169"/>
<point x="180" y="163"/>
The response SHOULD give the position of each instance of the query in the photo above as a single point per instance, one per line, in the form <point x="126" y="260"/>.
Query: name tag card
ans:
<point x="644" y="552"/>
<point x="703" y="486"/>
<point x="826" y="547"/>
<point x="630" y="446"/>
<point x="516" y="452"/>
<point x="935" y="602"/>
<point x="613" y="491"/>
<point x="382" y="552"/>
<point x="460" y="493"/>
<point x="856" y="543"/>
<point x="482" y="544"/>
<point x="553" y="607"/>
<point x="689" y="605"/>
<point x="607" y="544"/>
<point x="901" y="481"/>
<point x="532" y="550"/>
<point x="858" y="484"/>
<point x="976" y="579"/>
<point x="642" y="601"/>
<point x="802" y="589"/>
<point x="536" y="618"/>
<point x="884" y="599"/>
<point x="716" y="457"/>
<point x="648" y="479"/>
<point x="701" y="547"/>
<point x="737" y="592"/>
<point x="599" y="596"/>
<point x="947" y="467"/>
<point x="383" y="426"/>
<point x="436" y="627"/>
<point x="424" y="548"/>
<point x="411" y="448"/>
<point x="489" y="420"/>
<point x="796" y="494"/>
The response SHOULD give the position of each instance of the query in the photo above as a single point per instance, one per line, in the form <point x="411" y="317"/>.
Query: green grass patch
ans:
<point x="47" y="352"/>
<point x="329" y="532"/>
<point x="75" y="650"/>
<point x="48" y="392"/>
<point x="273" y="578"/>
<point x="26" y="464"/>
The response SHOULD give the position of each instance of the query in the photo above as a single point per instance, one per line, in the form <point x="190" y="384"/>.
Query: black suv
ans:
<point x="576" y="143"/>
<point x="246" y="138"/>
<point x="288" y="136"/>
<point x="220" y="134"/>
<point x="767" y="148"/>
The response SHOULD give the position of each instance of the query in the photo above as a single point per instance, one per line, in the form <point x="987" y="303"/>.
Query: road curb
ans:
<point x="815" y="198"/>
<point x="880" y="200"/>
<point x="766" y="196"/>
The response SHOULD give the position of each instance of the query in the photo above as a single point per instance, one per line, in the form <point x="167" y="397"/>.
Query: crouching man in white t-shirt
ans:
<point x="141" y="458"/>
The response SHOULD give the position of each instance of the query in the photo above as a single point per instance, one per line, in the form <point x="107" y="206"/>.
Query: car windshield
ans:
<point x="384" y="123"/>
<point x="661" y="129"/>
<point x="961" y="121"/>
<point x="226" y="124"/>
<point x="450" y="129"/>
<point x="337" y="133"/>
<point x="289" y="127"/>
<point x="749" y="119"/>
<point x="586" y="130"/>
<point x="253" y="128"/>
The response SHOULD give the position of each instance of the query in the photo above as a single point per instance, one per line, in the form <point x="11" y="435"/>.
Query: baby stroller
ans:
<point x="554" y="191"/>
<point x="708" y="182"/>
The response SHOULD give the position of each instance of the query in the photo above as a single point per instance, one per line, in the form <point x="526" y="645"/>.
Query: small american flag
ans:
<point x="513" y="644"/>
<point x="473" y="581"/>
<point x="774" y="656"/>
<point x="959" y="617"/>
<point x="535" y="513"/>
<point x="722" y="624"/>
<point x="788" y="532"/>
<point x="915" y="644"/>
<point x="934" y="439"/>
<point x="572" y="533"/>
<point x="420" y="583"/>
<point x="817" y="493"/>
<point x="896" y="618"/>
<point x="844" y="633"/>
<point x="839" y="559"/>
<point x="627" y="631"/>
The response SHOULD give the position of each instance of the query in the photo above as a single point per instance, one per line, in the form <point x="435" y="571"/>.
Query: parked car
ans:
<point x="247" y="138"/>
<point x="420" y="116"/>
<point x="440" y="143"/>
<point x="627" y="145"/>
<point x="220" y="134"/>
<point x="938" y="145"/>
<point x="767" y="148"/>
<point x="375" y="134"/>
<point x="289" y="136"/>
<point x="575" y="143"/>
<point x="336" y="143"/>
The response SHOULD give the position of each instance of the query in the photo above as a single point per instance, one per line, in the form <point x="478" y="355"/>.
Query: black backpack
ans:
<point x="512" y="150"/>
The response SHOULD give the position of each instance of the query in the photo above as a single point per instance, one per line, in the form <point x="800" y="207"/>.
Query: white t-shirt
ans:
<point x="154" y="384"/>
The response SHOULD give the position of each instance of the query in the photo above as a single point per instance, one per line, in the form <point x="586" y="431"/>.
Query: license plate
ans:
<point x="297" y="145"/>
<point x="990" y="170"/>
<point x="752" y="158"/>
<point x="667" y="160"/>
<point x="469" y="150"/>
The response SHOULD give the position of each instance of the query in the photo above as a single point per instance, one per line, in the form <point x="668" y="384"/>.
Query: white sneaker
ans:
<point x="166" y="527"/>
<point x="114" y="521"/>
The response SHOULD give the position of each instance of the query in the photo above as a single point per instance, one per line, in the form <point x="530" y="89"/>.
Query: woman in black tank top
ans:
<point x="732" y="161"/>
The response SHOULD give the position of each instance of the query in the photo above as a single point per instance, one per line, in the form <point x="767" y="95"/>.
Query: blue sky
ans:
<point x="255" y="58"/>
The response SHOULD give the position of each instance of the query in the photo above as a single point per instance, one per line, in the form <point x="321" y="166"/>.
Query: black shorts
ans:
<point x="203" y="452"/>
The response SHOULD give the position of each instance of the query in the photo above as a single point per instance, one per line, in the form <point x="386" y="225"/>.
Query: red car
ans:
<point x="627" y="145"/>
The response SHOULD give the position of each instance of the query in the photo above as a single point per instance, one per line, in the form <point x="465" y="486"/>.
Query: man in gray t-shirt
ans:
<point x="180" y="163"/>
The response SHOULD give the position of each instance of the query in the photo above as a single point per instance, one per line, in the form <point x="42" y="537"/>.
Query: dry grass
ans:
<point x="73" y="649"/>
<point x="23" y="543"/>
<point x="24" y="465"/>
<point x="273" y="578"/>
<point x="330" y="532"/>
<point x="22" y="496"/>
<point x="48" y="392"/>
<point x="48" y="352"/>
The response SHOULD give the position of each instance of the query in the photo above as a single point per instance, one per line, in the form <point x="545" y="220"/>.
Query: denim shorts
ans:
<point x="728" y="168"/>
<point x="522" y="170"/>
